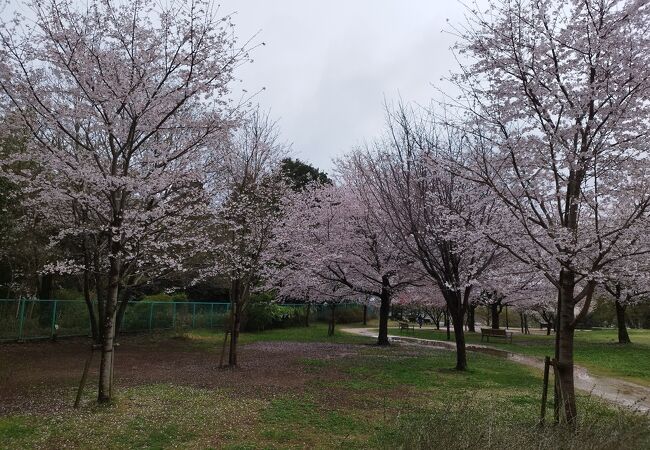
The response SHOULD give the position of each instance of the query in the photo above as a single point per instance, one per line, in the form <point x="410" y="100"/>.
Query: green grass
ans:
<point x="492" y="405"/>
<point x="387" y="398"/>
<point x="597" y="350"/>
<point x="152" y="417"/>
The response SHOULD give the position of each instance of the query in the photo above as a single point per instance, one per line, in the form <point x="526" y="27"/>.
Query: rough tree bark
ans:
<point x="565" y="332"/>
<point x="447" y="324"/>
<point x="236" y="308"/>
<point x="307" y="311"/>
<point x="495" y="311"/>
<point x="108" y="329"/>
<point x="456" y="315"/>
<point x="332" y="324"/>
<point x="384" y="310"/>
<point x="524" y="323"/>
<point x="471" y="318"/>
<point x="623" y="336"/>
<point x="459" y="334"/>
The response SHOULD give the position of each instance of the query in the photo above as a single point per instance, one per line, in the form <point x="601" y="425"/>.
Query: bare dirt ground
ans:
<point x="41" y="376"/>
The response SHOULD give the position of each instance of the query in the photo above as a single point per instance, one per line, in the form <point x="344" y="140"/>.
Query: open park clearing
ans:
<point x="295" y="388"/>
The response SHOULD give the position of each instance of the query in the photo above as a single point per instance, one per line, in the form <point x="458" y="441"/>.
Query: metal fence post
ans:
<point x="150" y="315"/>
<point x="21" y="316"/>
<point x="53" y="323"/>
<point x="193" y="315"/>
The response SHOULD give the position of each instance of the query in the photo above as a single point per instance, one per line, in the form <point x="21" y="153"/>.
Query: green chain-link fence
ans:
<point x="25" y="319"/>
<point x="37" y="319"/>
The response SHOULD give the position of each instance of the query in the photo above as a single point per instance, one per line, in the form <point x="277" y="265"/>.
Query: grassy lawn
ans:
<point x="367" y="397"/>
<point x="598" y="350"/>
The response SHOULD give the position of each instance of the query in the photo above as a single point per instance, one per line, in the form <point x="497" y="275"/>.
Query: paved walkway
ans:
<point x="620" y="392"/>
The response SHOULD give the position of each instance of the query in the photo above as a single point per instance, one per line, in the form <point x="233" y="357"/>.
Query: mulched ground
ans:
<point x="40" y="377"/>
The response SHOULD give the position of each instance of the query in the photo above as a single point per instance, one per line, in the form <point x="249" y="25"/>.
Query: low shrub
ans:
<point x="263" y="314"/>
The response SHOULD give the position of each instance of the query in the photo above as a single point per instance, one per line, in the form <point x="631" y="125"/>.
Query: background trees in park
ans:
<point x="554" y="91"/>
<point x="508" y="283"/>
<point x="122" y="103"/>
<point x="628" y="285"/>
<point x="432" y="215"/>
<point x="247" y="188"/>
<point x="423" y="300"/>
<point x="330" y="236"/>
<point x="24" y="234"/>
<point x="301" y="175"/>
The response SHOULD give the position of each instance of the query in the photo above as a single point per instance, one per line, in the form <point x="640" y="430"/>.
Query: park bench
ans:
<point x="406" y="326"/>
<point x="489" y="332"/>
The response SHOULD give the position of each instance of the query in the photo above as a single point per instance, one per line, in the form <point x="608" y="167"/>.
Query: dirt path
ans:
<point x="620" y="392"/>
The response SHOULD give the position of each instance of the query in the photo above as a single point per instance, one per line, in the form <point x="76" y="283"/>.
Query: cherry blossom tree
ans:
<point x="247" y="189"/>
<point x="432" y="215"/>
<point x="287" y="277"/>
<point x="508" y="283"/>
<point x="122" y="101"/>
<point x="329" y="235"/>
<point x="423" y="299"/>
<point x="557" y="101"/>
<point x="628" y="285"/>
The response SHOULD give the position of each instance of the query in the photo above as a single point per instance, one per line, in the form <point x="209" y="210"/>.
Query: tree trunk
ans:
<point x="108" y="335"/>
<point x="330" y="329"/>
<point x="45" y="293"/>
<point x="101" y="296"/>
<point x="549" y="325"/>
<point x="384" y="310"/>
<point x="623" y="336"/>
<point x="494" y="313"/>
<point x="471" y="318"/>
<point x="459" y="334"/>
<point x="447" y="325"/>
<point x="365" y="314"/>
<point x="94" y="325"/>
<point x="45" y="286"/>
<point x="234" y="336"/>
<point x="526" y="329"/>
<point x="235" y="305"/>
<point x="307" y="311"/>
<point x="565" y="337"/>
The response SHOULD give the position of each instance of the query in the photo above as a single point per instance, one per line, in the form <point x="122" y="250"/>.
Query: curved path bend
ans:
<point x="617" y="391"/>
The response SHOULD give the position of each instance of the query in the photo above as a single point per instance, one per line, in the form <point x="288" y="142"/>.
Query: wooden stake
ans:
<point x="223" y="348"/>
<point x="547" y="362"/>
<point x="84" y="376"/>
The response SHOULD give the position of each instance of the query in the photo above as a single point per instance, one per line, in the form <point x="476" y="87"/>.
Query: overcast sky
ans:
<point x="327" y="65"/>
